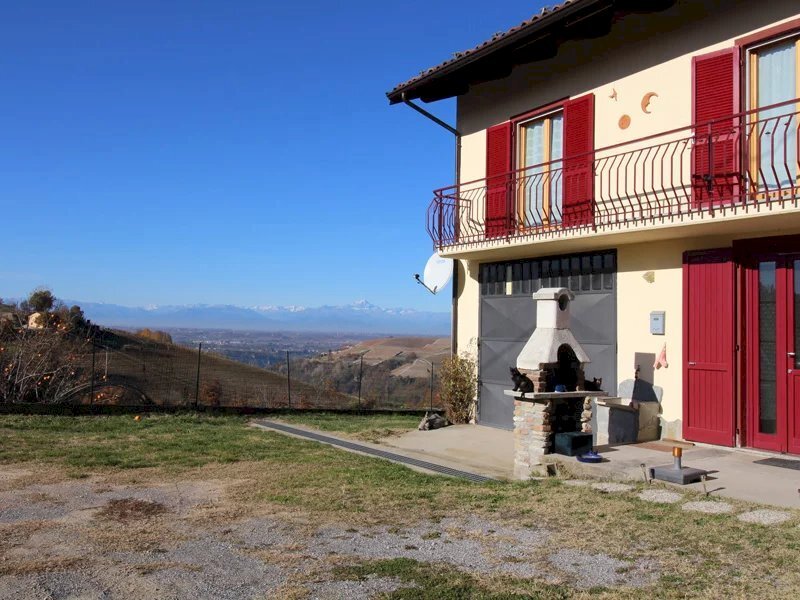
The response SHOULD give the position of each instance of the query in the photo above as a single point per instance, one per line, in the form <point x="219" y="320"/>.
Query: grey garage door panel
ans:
<point x="507" y="318"/>
<point x="496" y="358"/>
<point x="591" y="318"/>
<point x="603" y="365"/>
<point x="499" y="410"/>
<point x="507" y="321"/>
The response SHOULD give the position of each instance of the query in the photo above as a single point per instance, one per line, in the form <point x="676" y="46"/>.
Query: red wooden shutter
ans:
<point x="578" y="208"/>
<point x="716" y="87"/>
<point x="708" y="347"/>
<point x="499" y="213"/>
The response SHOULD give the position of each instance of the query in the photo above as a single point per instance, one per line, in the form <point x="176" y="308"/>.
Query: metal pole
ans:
<point x="360" y="377"/>
<point x="431" y="387"/>
<point x="430" y="366"/>
<point x="197" y="379"/>
<point x="91" y="398"/>
<point x="289" y="378"/>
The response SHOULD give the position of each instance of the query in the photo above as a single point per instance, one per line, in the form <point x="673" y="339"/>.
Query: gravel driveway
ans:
<point x="90" y="539"/>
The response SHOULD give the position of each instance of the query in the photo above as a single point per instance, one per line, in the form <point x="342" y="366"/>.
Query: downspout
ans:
<point x="457" y="135"/>
<point x="454" y="300"/>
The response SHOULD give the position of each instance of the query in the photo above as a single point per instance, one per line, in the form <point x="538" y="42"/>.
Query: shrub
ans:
<point x="162" y="337"/>
<point x="211" y="393"/>
<point x="457" y="386"/>
<point x="65" y="319"/>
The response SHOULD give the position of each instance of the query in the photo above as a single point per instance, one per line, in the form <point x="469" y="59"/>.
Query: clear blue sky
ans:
<point x="232" y="152"/>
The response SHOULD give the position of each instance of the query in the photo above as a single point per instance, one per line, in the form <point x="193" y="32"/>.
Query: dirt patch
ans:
<point x="12" y="474"/>
<point x="130" y="509"/>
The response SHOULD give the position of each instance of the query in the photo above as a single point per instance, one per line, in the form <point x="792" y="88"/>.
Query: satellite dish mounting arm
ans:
<point x="422" y="283"/>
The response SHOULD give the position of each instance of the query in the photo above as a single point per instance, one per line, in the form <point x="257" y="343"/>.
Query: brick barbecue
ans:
<point x="554" y="361"/>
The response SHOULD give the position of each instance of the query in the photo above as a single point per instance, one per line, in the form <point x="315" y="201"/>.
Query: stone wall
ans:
<point x="533" y="432"/>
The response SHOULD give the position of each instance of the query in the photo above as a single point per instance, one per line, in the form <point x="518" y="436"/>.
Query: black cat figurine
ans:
<point x="595" y="385"/>
<point x="522" y="383"/>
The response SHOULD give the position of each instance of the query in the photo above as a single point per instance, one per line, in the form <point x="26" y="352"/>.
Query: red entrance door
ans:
<point x="773" y="366"/>
<point x="708" y="395"/>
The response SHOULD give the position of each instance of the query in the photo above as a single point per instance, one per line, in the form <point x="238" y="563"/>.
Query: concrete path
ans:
<point x="490" y="451"/>
<point x="734" y="473"/>
<point x="485" y="450"/>
<point x="368" y="449"/>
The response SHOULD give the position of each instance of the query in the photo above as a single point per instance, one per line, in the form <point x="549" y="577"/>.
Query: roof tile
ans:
<point x="457" y="56"/>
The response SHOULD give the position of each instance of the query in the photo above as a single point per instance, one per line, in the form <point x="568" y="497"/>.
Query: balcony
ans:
<point x="734" y="166"/>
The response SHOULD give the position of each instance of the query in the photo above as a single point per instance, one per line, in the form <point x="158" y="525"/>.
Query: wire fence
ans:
<point x="117" y="370"/>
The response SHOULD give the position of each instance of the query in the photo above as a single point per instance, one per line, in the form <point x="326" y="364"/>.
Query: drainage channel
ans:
<point x="374" y="452"/>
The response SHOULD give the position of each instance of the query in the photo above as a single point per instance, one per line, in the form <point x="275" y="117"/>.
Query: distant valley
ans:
<point x="360" y="317"/>
<point x="264" y="349"/>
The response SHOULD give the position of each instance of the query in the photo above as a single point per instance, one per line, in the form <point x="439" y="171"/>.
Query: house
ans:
<point x="645" y="156"/>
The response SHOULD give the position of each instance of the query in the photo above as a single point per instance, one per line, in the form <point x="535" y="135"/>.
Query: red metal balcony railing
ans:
<point x="745" y="160"/>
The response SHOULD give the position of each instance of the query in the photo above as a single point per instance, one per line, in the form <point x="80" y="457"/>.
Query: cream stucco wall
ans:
<point x="473" y="156"/>
<point x="468" y="311"/>
<point x="637" y="297"/>
<point x="642" y="53"/>
<point x="632" y="61"/>
<point x="627" y="64"/>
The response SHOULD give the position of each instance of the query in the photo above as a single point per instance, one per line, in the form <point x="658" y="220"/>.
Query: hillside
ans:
<point x="167" y="374"/>
<point x="406" y="349"/>
<point x="89" y="364"/>
<point x="391" y="374"/>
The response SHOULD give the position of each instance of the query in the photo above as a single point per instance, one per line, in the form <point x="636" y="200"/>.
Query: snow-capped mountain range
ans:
<point x="358" y="317"/>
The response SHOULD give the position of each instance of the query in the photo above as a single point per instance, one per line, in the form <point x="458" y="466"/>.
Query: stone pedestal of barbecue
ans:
<point x="533" y="425"/>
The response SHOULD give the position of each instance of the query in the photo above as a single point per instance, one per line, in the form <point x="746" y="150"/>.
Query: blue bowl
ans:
<point x="590" y="457"/>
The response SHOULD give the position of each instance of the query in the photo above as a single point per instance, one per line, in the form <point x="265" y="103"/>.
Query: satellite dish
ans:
<point x="437" y="273"/>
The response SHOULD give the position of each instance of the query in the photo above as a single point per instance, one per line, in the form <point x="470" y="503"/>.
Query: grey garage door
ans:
<point x="508" y="317"/>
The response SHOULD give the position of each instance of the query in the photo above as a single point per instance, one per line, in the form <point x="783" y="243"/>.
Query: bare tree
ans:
<point x="42" y="365"/>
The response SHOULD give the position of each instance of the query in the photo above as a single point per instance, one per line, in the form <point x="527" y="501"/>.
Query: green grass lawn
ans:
<point x="699" y="555"/>
<point x="174" y="442"/>
<point x="370" y="427"/>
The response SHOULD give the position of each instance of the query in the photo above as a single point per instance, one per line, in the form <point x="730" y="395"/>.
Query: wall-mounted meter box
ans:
<point x="657" y="318"/>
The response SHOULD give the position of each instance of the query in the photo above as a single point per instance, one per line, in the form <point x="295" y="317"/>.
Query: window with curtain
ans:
<point x="539" y="153"/>
<point x="773" y="79"/>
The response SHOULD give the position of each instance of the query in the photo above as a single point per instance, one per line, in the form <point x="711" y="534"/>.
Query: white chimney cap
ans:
<point x="553" y="294"/>
<point x="552" y="331"/>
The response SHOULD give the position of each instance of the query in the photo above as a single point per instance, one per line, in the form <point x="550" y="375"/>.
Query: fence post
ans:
<point x="431" y="387"/>
<point x="197" y="378"/>
<point x="360" y="377"/>
<point x="91" y="385"/>
<point x="289" y="379"/>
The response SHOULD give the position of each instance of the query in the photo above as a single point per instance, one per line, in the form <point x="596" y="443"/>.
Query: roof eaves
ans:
<point x="547" y="17"/>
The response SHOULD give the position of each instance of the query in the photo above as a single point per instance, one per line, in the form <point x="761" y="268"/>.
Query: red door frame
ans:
<point x="753" y="438"/>
<point x="791" y="404"/>
<point x="748" y="253"/>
